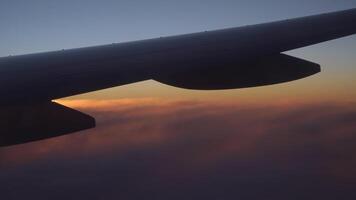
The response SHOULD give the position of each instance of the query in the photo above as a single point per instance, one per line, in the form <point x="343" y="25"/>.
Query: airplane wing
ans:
<point x="240" y="57"/>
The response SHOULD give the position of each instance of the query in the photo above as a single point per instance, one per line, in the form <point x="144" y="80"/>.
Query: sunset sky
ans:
<point x="45" y="26"/>
<point x="287" y="141"/>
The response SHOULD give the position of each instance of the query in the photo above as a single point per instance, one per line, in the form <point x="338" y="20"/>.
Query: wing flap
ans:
<point x="26" y="123"/>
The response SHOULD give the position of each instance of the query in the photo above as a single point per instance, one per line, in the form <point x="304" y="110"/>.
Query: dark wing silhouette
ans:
<point x="231" y="58"/>
<point x="25" y="123"/>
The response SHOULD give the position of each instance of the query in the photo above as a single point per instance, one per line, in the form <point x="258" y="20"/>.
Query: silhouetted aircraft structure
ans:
<point x="240" y="57"/>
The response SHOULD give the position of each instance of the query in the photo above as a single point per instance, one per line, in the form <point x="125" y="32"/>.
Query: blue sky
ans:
<point x="42" y="25"/>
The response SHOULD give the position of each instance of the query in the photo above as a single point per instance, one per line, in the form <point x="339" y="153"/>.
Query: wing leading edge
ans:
<point x="231" y="58"/>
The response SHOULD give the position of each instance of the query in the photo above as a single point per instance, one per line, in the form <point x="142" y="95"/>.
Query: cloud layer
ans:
<point x="156" y="149"/>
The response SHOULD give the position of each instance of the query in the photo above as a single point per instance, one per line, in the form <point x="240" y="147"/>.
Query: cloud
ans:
<point x="159" y="149"/>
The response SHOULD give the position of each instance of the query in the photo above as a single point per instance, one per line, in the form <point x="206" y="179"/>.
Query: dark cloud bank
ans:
<point x="192" y="150"/>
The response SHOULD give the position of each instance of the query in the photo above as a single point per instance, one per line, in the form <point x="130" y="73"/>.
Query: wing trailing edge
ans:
<point x="26" y="123"/>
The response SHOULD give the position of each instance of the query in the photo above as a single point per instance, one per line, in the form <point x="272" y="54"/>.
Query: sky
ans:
<point x="153" y="141"/>
<point x="48" y="25"/>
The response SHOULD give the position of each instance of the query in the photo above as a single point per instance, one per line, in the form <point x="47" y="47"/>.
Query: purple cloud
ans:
<point x="192" y="150"/>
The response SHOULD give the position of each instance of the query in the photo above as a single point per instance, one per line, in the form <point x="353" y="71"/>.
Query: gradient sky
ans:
<point x="37" y="26"/>
<point x="286" y="141"/>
